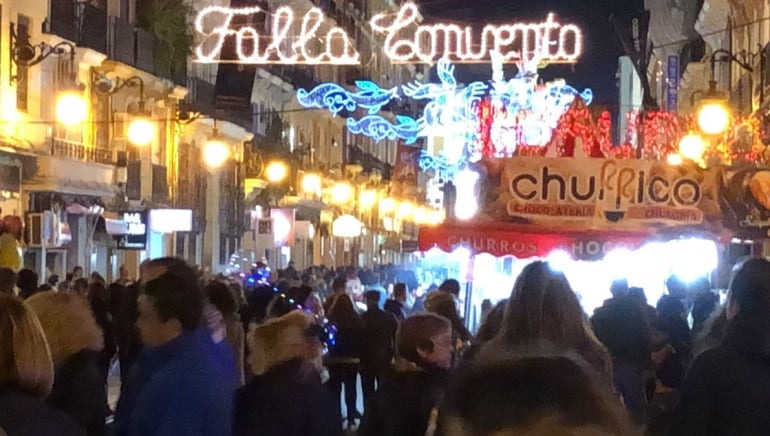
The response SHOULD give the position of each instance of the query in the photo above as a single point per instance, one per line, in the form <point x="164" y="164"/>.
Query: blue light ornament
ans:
<point x="336" y="98"/>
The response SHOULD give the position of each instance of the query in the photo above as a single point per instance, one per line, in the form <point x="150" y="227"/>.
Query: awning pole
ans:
<point x="469" y="292"/>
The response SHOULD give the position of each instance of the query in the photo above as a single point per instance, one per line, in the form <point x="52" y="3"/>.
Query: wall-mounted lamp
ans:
<point x="713" y="113"/>
<point x="25" y="54"/>
<point x="141" y="129"/>
<point x="215" y="151"/>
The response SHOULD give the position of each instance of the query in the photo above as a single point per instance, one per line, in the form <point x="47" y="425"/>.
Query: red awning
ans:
<point x="524" y="241"/>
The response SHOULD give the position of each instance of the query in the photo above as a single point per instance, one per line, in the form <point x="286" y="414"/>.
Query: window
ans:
<point x="22" y="74"/>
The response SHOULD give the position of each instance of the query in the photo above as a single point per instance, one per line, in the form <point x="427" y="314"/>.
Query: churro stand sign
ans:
<point x="601" y="193"/>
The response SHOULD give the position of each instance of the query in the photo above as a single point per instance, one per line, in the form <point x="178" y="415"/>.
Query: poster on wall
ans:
<point x="609" y="194"/>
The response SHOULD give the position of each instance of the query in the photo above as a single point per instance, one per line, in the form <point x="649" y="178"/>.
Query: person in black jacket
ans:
<point x="99" y="299"/>
<point x="725" y="390"/>
<point x="396" y="305"/>
<point x="344" y="356"/>
<point x="26" y="376"/>
<point x="75" y="341"/>
<point x="124" y="308"/>
<point x="286" y="397"/>
<point x="407" y="402"/>
<point x="621" y="325"/>
<point x="378" y="345"/>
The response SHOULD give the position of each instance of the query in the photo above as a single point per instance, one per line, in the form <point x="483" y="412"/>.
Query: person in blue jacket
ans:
<point x="183" y="382"/>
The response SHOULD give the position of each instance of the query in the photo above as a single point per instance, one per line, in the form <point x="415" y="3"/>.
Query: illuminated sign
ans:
<point x="136" y="231"/>
<point x="305" y="41"/>
<point x="288" y="42"/>
<point x="171" y="220"/>
<point x="602" y="192"/>
<point x="406" y="41"/>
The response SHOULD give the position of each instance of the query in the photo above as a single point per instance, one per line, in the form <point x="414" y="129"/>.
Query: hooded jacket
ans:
<point x="286" y="397"/>
<point x="725" y="390"/>
<point x="75" y="341"/>
<point x="403" y="404"/>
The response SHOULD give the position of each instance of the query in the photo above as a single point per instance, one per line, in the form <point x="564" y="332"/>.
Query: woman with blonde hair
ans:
<point x="544" y="309"/>
<point x="75" y="341"/>
<point x="26" y="376"/>
<point x="286" y="396"/>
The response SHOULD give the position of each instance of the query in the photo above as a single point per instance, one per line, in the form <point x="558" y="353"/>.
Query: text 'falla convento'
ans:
<point x="284" y="38"/>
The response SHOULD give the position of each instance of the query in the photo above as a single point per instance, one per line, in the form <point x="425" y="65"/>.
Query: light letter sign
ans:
<point x="406" y="41"/>
<point x="288" y="43"/>
<point x="313" y="41"/>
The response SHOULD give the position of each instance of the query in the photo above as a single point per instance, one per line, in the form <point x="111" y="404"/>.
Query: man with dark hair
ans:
<point x="378" y="346"/>
<point x="183" y="383"/>
<point x="396" y="305"/>
<point x="450" y="286"/>
<point x="7" y="281"/>
<point x="27" y="283"/>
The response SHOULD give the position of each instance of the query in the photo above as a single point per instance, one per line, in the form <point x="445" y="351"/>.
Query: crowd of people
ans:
<point x="216" y="356"/>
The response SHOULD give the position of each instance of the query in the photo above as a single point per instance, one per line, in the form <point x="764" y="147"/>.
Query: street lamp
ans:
<point x="215" y="151"/>
<point x="141" y="129"/>
<point x="674" y="159"/>
<point x="692" y="147"/>
<point x="71" y="108"/>
<point x="342" y="192"/>
<point x="367" y="199"/>
<point x="713" y="113"/>
<point x="276" y="171"/>
<point x="387" y="205"/>
<point x="311" y="184"/>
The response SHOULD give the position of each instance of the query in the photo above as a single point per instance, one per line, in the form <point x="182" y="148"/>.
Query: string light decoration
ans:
<point x="283" y="47"/>
<point x="549" y="41"/>
<point x="662" y="132"/>
<point x="379" y="128"/>
<point x="576" y="128"/>
<point x="505" y="114"/>
<point x="336" y="98"/>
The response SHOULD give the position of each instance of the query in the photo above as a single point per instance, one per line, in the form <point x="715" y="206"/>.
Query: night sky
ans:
<point x="596" y="68"/>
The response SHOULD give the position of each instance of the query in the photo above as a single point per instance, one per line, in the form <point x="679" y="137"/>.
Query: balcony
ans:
<point x="369" y="162"/>
<point x="200" y="96"/>
<point x="121" y="41"/>
<point x="78" y="151"/>
<point x="79" y="22"/>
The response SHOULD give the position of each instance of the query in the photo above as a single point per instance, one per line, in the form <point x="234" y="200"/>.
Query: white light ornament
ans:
<point x="214" y="23"/>
<point x="406" y="41"/>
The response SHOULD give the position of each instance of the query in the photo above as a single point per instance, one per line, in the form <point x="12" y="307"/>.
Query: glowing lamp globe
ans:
<point x="713" y="117"/>
<point x="215" y="153"/>
<point x="387" y="205"/>
<point x="367" y="199"/>
<point x="674" y="159"/>
<point x="311" y="184"/>
<point x="405" y="210"/>
<point x="692" y="147"/>
<point x="141" y="131"/>
<point x="342" y="193"/>
<point x="276" y="171"/>
<point x="71" y="109"/>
